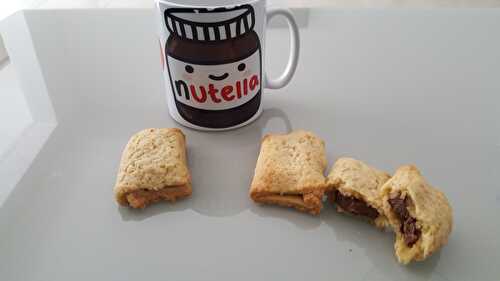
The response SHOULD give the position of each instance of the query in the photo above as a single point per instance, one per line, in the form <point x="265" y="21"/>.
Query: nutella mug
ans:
<point x="212" y="56"/>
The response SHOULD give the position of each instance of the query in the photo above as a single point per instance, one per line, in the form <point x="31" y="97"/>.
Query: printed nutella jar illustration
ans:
<point x="212" y="62"/>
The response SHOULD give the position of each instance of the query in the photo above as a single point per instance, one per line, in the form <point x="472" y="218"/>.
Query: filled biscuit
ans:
<point x="419" y="214"/>
<point x="289" y="171"/>
<point x="153" y="168"/>
<point x="356" y="189"/>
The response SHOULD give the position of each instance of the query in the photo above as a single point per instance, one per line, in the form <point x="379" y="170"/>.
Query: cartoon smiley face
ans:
<point x="240" y="67"/>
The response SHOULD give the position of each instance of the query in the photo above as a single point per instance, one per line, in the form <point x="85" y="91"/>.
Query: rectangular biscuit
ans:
<point x="289" y="171"/>
<point x="153" y="168"/>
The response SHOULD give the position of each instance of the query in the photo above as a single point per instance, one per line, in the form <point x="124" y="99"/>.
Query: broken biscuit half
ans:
<point x="153" y="168"/>
<point x="419" y="214"/>
<point x="289" y="171"/>
<point x="356" y="189"/>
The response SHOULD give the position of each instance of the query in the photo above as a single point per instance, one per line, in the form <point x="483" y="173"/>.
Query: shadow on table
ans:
<point x="377" y="246"/>
<point x="222" y="165"/>
<point x="129" y="214"/>
<point x="299" y="219"/>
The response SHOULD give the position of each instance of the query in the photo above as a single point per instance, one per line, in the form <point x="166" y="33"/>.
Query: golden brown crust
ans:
<point x="308" y="202"/>
<point x="356" y="179"/>
<point x="429" y="207"/>
<point x="154" y="159"/>
<point x="142" y="198"/>
<point x="289" y="171"/>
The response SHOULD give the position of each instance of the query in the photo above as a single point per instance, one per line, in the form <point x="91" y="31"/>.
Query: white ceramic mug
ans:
<point x="212" y="57"/>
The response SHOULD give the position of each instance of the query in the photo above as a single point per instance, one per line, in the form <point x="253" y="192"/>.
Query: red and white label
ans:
<point x="215" y="87"/>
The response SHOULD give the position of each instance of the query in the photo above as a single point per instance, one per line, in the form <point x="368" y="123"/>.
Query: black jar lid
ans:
<point x="210" y="24"/>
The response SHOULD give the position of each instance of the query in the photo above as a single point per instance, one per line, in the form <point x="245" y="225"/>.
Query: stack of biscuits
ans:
<point x="290" y="172"/>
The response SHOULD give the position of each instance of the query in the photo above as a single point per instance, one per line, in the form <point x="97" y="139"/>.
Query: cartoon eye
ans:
<point x="189" y="69"/>
<point x="241" y="66"/>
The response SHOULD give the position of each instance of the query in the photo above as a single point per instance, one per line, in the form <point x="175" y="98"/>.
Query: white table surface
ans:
<point x="389" y="87"/>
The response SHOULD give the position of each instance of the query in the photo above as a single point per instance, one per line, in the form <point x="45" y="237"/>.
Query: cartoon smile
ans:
<point x="218" y="78"/>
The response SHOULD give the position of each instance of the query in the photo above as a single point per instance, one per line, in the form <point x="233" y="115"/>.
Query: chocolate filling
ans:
<point x="355" y="206"/>
<point x="408" y="227"/>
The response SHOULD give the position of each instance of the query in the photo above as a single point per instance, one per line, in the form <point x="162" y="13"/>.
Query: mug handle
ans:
<point x="293" y="58"/>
